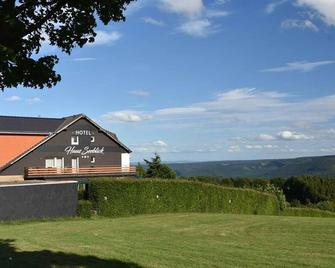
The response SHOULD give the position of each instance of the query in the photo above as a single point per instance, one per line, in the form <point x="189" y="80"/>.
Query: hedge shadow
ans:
<point x="11" y="257"/>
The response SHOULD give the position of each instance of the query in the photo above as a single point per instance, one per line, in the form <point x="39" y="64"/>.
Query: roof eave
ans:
<point x="25" y="133"/>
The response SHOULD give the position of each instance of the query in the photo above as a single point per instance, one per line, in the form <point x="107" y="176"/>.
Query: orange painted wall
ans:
<point x="13" y="145"/>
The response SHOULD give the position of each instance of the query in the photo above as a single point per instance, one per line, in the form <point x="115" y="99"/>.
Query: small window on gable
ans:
<point x="92" y="159"/>
<point x="92" y="139"/>
<point x="74" y="140"/>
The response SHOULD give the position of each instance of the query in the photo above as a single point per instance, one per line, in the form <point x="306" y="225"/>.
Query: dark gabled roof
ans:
<point x="33" y="125"/>
<point x="38" y="125"/>
<point x="111" y="133"/>
<point x="68" y="120"/>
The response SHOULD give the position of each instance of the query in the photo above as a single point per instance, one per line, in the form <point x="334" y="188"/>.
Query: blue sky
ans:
<point x="199" y="80"/>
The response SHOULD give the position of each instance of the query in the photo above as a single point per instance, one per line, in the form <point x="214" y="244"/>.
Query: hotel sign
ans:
<point x="82" y="132"/>
<point x="70" y="150"/>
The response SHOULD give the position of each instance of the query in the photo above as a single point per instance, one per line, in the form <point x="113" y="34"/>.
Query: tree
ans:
<point x="140" y="172"/>
<point x="304" y="189"/>
<point x="158" y="170"/>
<point x="25" y="24"/>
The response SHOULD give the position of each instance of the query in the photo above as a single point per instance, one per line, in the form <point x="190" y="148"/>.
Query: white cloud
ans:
<point x="284" y="135"/>
<point x="136" y="6"/>
<point x="301" y="66"/>
<point x="266" y="137"/>
<point x="331" y="131"/>
<point x="33" y="100"/>
<point x="140" y="93"/>
<point x="84" y="59"/>
<point x="140" y="149"/>
<point x="18" y="98"/>
<point x="236" y="94"/>
<point x="181" y="111"/>
<point x="198" y="28"/>
<point x="197" y="19"/>
<point x="299" y="24"/>
<point x="328" y="150"/>
<point x="13" y="98"/>
<point x="126" y="116"/>
<point x="234" y="149"/>
<point x="270" y="146"/>
<point x="289" y="135"/>
<point x="270" y="8"/>
<point x="104" y="38"/>
<point x="235" y="101"/>
<point x="160" y="143"/>
<point x="248" y="93"/>
<point x="153" y="21"/>
<point x="243" y="112"/>
<point x="244" y="108"/>
<point x="325" y="9"/>
<point x="254" y="146"/>
<point x="185" y="7"/>
<point x="221" y="2"/>
<point x="158" y="146"/>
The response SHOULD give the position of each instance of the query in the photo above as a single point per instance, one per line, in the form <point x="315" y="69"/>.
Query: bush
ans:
<point x="307" y="212"/>
<point x="130" y="197"/>
<point x="166" y="172"/>
<point x="82" y="194"/>
<point x="84" y="209"/>
<point x="309" y="189"/>
<point x="326" y="205"/>
<point x="272" y="189"/>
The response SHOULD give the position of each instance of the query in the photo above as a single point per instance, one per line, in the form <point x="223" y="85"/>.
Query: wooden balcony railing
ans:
<point x="83" y="171"/>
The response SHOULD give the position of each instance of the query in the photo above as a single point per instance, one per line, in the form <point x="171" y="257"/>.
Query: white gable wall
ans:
<point x="125" y="160"/>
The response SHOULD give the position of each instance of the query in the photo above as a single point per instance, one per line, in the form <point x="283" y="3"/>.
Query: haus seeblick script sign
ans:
<point x="70" y="150"/>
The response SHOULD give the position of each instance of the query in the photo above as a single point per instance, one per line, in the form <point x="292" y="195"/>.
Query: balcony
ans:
<point x="68" y="172"/>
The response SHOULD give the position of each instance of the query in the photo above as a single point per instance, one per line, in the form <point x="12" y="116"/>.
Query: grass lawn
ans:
<point x="171" y="240"/>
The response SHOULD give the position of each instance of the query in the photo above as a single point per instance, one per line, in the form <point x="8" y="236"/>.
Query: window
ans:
<point x="92" y="159"/>
<point x="75" y="163"/>
<point x="92" y="139"/>
<point x="49" y="163"/>
<point x="58" y="162"/>
<point x="54" y="162"/>
<point x="75" y="140"/>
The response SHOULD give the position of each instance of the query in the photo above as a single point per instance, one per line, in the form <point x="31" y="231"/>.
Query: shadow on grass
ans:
<point x="10" y="257"/>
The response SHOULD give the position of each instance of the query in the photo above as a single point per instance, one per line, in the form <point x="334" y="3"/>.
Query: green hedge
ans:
<point x="112" y="197"/>
<point x="307" y="212"/>
<point x="82" y="194"/>
<point x="84" y="209"/>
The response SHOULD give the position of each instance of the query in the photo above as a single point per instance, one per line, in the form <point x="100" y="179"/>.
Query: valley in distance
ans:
<point x="315" y="165"/>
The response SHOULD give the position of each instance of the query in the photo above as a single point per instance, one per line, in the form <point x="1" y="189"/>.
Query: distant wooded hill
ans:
<point x="323" y="165"/>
